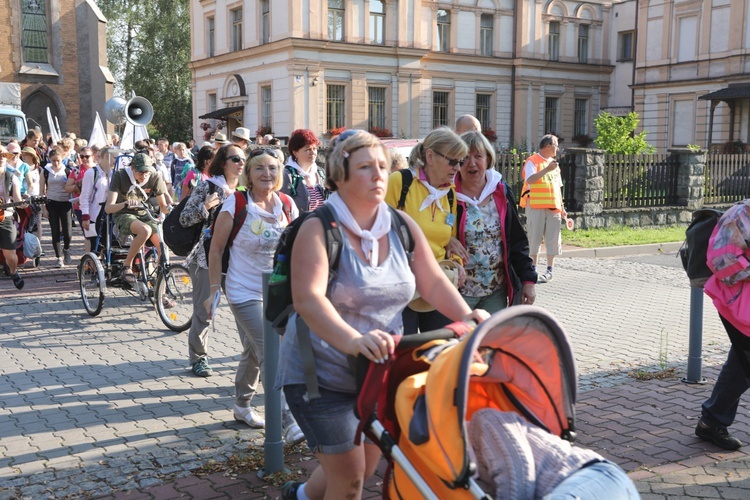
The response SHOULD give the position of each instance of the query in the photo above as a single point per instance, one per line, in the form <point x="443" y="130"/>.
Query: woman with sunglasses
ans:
<point x="199" y="174"/>
<point x="224" y="178"/>
<point x="499" y="271"/>
<point x="357" y="312"/>
<point x="303" y="178"/>
<point x="250" y="255"/>
<point x="430" y="199"/>
<point x="75" y="182"/>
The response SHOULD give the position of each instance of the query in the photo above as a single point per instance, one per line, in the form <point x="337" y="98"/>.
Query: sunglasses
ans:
<point x="451" y="161"/>
<point x="84" y="156"/>
<point x="269" y="152"/>
<point x="237" y="159"/>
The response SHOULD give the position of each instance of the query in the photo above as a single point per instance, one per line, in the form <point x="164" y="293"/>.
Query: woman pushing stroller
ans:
<point x="358" y="312"/>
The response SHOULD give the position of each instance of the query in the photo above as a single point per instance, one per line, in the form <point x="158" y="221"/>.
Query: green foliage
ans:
<point x="616" y="135"/>
<point x="623" y="235"/>
<point x="694" y="148"/>
<point x="148" y="48"/>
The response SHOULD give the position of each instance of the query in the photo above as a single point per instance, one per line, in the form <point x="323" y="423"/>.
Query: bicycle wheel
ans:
<point x="174" y="298"/>
<point x="92" y="283"/>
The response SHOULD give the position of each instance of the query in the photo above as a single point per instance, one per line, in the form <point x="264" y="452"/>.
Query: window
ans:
<point x="550" y="115"/>
<point x="376" y="107"/>
<point x="444" y="30"/>
<point x="210" y="36"/>
<point x="265" y="15"/>
<point x="485" y="34"/>
<point x="235" y="42"/>
<point x="211" y="102"/>
<point x="581" y="117"/>
<point x="625" y="46"/>
<point x="686" y="39"/>
<point x="483" y="110"/>
<point x="336" y="20"/>
<point x="335" y="104"/>
<point x="34" y="31"/>
<point x="377" y="22"/>
<point x="554" y="41"/>
<point x="439" y="109"/>
<point x="583" y="43"/>
<point x="265" y="106"/>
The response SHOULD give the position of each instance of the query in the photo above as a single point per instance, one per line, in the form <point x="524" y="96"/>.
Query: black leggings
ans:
<point x="59" y="219"/>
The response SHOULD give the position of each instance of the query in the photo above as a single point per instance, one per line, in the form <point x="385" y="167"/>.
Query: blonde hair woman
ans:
<point x="430" y="199"/>
<point x="251" y="254"/>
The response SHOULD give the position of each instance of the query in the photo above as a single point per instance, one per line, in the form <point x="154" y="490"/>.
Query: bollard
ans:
<point x="695" y="349"/>
<point x="273" y="446"/>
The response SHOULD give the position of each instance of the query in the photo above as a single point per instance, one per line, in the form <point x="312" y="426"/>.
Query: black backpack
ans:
<point x="178" y="238"/>
<point x="279" y="305"/>
<point x="694" y="249"/>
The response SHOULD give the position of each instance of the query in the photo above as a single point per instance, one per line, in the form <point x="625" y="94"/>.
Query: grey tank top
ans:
<point x="367" y="298"/>
<point x="56" y="185"/>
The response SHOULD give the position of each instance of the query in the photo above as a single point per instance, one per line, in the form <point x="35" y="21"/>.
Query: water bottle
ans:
<point x="281" y="271"/>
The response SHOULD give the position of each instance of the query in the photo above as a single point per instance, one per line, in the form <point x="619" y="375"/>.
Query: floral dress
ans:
<point x="484" y="271"/>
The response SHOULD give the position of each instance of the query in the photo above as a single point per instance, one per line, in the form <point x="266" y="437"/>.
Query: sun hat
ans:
<point x="142" y="163"/>
<point x="220" y="138"/>
<point x="31" y="152"/>
<point x="241" y="133"/>
<point x="418" y="304"/>
<point x="4" y="152"/>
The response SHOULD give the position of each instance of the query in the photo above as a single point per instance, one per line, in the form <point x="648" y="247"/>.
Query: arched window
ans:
<point x="265" y="15"/>
<point x="34" y="31"/>
<point x="554" y="41"/>
<point x="485" y="34"/>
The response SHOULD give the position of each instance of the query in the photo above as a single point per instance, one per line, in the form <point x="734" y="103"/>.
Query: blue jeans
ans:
<point x="598" y="480"/>
<point x="733" y="381"/>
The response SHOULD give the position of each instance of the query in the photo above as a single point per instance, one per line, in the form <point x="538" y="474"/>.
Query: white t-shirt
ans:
<point x="252" y="251"/>
<point x="530" y="169"/>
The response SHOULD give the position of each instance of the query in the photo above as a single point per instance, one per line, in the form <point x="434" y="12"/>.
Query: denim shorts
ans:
<point x="329" y="423"/>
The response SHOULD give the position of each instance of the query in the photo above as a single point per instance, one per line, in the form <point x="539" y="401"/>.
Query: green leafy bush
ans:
<point x="615" y="135"/>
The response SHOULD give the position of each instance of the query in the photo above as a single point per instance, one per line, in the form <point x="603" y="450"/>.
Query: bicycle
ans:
<point x="168" y="286"/>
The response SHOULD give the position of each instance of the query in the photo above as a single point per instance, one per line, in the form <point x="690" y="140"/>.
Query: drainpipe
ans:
<point x="514" y="54"/>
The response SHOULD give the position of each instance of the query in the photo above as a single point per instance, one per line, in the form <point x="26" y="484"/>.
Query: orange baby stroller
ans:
<point x="22" y="218"/>
<point x="416" y="407"/>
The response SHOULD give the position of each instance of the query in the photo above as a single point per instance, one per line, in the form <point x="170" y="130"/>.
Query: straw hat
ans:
<point x="220" y="138"/>
<point x="31" y="152"/>
<point x="450" y="268"/>
<point x="4" y="152"/>
<point x="242" y="133"/>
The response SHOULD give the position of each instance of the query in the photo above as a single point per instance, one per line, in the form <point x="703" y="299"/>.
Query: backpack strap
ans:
<point x="240" y="213"/>
<point x="406" y="179"/>
<point x="333" y="238"/>
<point x="287" y="208"/>
<point x="404" y="233"/>
<point x="295" y="179"/>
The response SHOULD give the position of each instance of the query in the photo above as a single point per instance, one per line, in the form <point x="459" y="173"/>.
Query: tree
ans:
<point x="148" y="47"/>
<point x="616" y="135"/>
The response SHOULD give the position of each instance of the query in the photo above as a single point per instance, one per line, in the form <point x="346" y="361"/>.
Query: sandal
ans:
<point x="127" y="276"/>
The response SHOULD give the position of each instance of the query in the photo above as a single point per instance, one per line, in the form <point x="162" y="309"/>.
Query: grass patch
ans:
<point x="623" y="235"/>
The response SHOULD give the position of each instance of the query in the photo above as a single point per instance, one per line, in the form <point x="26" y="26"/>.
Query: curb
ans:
<point x="621" y="251"/>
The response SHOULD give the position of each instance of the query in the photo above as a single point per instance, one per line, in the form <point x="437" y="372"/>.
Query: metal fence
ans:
<point x="635" y="181"/>
<point x="727" y="178"/>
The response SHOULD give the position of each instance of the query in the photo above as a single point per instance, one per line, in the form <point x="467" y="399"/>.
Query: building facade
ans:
<point x="523" y="68"/>
<point x="57" y="51"/>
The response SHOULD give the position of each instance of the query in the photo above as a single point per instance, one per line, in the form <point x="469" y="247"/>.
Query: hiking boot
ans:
<point x="717" y="435"/>
<point x="293" y="435"/>
<point x="68" y="258"/>
<point x="201" y="368"/>
<point x="545" y="278"/>
<point x="17" y="281"/>
<point x="59" y="262"/>
<point x="249" y="416"/>
<point x="289" y="490"/>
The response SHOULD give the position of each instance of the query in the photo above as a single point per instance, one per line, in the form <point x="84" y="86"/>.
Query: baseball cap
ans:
<point x="142" y="163"/>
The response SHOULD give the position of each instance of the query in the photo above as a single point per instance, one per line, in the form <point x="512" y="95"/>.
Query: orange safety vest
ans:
<point x="544" y="193"/>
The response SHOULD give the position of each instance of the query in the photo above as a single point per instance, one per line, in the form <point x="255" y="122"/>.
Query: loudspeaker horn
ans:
<point x="137" y="110"/>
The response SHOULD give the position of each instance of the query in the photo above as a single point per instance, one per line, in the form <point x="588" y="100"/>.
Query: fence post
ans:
<point x="691" y="180"/>
<point x="588" y="191"/>
<point x="695" y="347"/>
<point x="273" y="446"/>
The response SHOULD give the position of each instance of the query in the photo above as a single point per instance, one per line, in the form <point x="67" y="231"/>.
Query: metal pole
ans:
<point x="273" y="446"/>
<point x="695" y="350"/>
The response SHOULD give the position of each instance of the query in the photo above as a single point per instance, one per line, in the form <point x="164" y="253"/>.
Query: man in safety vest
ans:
<point x="542" y="197"/>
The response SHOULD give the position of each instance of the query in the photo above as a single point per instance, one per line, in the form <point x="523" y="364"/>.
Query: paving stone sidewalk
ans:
<point x="106" y="407"/>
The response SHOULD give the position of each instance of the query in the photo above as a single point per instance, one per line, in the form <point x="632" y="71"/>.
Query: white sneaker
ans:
<point x="59" y="262"/>
<point x="293" y="435"/>
<point x="249" y="416"/>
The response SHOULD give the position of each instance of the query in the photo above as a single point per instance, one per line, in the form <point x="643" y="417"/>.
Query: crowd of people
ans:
<point x="471" y="254"/>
